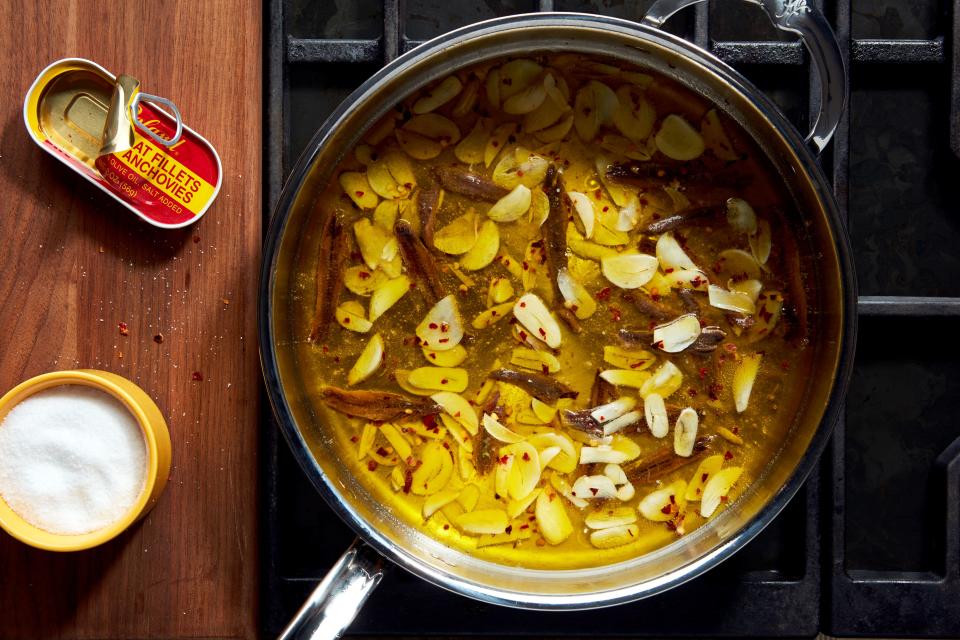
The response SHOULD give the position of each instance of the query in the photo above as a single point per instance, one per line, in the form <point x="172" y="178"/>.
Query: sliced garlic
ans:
<point x="614" y="536"/>
<point x="459" y="409"/>
<point x="516" y="507"/>
<point x="517" y="75"/>
<point x="563" y="488"/>
<point x="671" y="255"/>
<point x="459" y="236"/>
<point x="492" y="88"/>
<point x="685" y="432"/>
<point x="470" y="150"/>
<point x="751" y="288"/>
<point x="556" y="132"/>
<point x="382" y="181"/>
<point x="357" y="187"/>
<point x="611" y="517"/>
<point x="435" y="127"/>
<point x="552" y="518"/>
<point x="621" y="449"/>
<point x="628" y="216"/>
<point x="369" y="361"/>
<point x="468" y="98"/>
<point x="594" y="106"/>
<point x="525" y="472"/>
<point x="542" y="410"/>
<point x="629" y="270"/>
<point x="575" y="295"/>
<point x="468" y="497"/>
<point x="717" y="489"/>
<point x="387" y="212"/>
<point x="547" y="455"/>
<point x="626" y="492"/>
<point x="566" y="460"/>
<point x="739" y="264"/>
<point x="664" y="504"/>
<point x="376" y="243"/>
<point x="511" y="206"/>
<point x="616" y="473"/>
<point x="730" y="300"/>
<point x="492" y="315"/>
<point x="350" y="315"/>
<point x="437" y="501"/>
<point x="586" y="249"/>
<point x="499" y="291"/>
<point x="483" y="521"/>
<point x="528" y="99"/>
<point x="676" y="139"/>
<point x="362" y="280"/>
<point x="535" y="317"/>
<point x="551" y="110"/>
<point x="520" y="167"/>
<point x="729" y="436"/>
<point x="402" y="376"/>
<point x="678" y="334"/>
<point x="540" y="361"/>
<point x="622" y="422"/>
<point x="367" y="436"/>
<point x="626" y="377"/>
<point x="594" y="487"/>
<point x="632" y="359"/>
<point x="634" y="115"/>
<point x="664" y="381"/>
<point x="741" y="215"/>
<point x="655" y="413"/>
<point x="449" y="358"/>
<point x="613" y="410"/>
<point x="770" y="306"/>
<point x="707" y="468"/>
<point x="435" y="470"/>
<point x="583" y="207"/>
<point x="442" y="327"/>
<point x="533" y="258"/>
<point x="493" y="426"/>
<point x="497" y="142"/>
<point x="715" y="137"/>
<point x="760" y="242"/>
<point x="694" y="279"/>
<point x="743" y="379"/>
<point x="485" y="250"/>
<point x="439" y="95"/>
<point x="440" y="378"/>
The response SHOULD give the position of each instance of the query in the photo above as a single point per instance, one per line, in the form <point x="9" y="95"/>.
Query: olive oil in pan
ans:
<point x="519" y="233"/>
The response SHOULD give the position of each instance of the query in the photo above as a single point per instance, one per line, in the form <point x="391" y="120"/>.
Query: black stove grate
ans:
<point x="871" y="545"/>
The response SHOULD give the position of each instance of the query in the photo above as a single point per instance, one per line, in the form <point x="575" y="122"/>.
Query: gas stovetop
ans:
<point x="871" y="545"/>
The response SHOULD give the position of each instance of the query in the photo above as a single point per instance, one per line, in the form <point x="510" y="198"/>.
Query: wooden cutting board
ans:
<point x="74" y="264"/>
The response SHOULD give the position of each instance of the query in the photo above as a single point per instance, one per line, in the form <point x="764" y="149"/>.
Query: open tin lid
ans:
<point x="120" y="139"/>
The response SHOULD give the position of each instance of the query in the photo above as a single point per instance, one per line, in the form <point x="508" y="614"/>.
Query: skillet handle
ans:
<point x="803" y="19"/>
<point x="339" y="597"/>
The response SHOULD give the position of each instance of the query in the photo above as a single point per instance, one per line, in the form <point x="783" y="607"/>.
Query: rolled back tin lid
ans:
<point x="130" y="144"/>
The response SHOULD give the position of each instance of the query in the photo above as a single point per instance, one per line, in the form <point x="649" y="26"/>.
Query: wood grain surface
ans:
<point x="74" y="264"/>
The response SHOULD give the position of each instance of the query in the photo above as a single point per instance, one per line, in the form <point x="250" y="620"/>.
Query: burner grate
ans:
<point x="871" y="546"/>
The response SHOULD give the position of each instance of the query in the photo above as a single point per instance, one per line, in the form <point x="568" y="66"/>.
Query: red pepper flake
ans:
<point x="603" y="294"/>
<point x="605" y="208"/>
<point x="545" y="370"/>
<point x="433" y="325"/>
<point x="703" y="477"/>
<point x="594" y="490"/>
<point x="723" y="498"/>
<point x="158" y="338"/>
<point x="354" y="439"/>
<point x="692" y="392"/>
<point x="666" y="509"/>
<point x="198" y="376"/>
<point x="522" y="334"/>
<point x="359" y="193"/>
<point x="541" y="542"/>
<point x="668" y="270"/>
<point x="196" y="239"/>
<point x="443" y="340"/>
<point x="658" y="344"/>
<point x="728" y="455"/>
<point x="444" y="327"/>
<point x="526" y="456"/>
<point x="494" y="143"/>
<point x="429" y="420"/>
<point x="702" y="372"/>
<point x="372" y="465"/>
<point x="508" y="529"/>
<point x="363" y="275"/>
<point x="598" y="194"/>
<point x="443" y="381"/>
<point x="732" y="348"/>
<point x="407" y="481"/>
<point x="735" y="430"/>
<point x="524" y="526"/>
<point x="446" y="445"/>
<point x="504" y="459"/>
<point x="519" y="173"/>
<point x="615" y="314"/>
<point x="445" y="527"/>
<point x="346" y="319"/>
<point x="122" y="326"/>
<point x="383" y="453"/>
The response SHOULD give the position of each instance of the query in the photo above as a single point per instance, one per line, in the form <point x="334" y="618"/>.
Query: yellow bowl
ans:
<point x="155" y="433"/>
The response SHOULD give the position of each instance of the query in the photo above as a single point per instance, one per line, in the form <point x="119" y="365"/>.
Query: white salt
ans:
<point x="72" y="459"/>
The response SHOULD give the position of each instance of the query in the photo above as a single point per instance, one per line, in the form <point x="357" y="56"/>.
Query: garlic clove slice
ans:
<point x="493" y="426"/>
<point x="470" y="150"/>
<point x="459" y="236"/>
<point x="739" y="264"/>
<point x="485" y="250"/>
<point x="575" y="295"/>
<point x="685" y="432"/>
<point x="655" y="413"/>
<point x="459" y="409"/>
<point x="717" y="489"/>
<point x="664" y="381"/>
<point x="369" y="361"/>
<point x="438" y="96"/>
<point x="623" y="358"/>
<point x="615" y="536"/>
<point x="440" y="378"/>
<point x="483" y="521"/>
<point x="760" y="242"/>
<point x="583" y="207"/>
<point x="552" y="518"/>
<point x="540" y="361"/>
<point x="594" y="487"/>
<point x="629" y="270"/>
<point x="678" y="334"/>
<point x="387" y="295"/>
<point x="624" y="421"/>
<point x="664" y="504"/>
<point x="357" y="187"/>
<point x="626" y="377"/>
<point x="442" y="327"/>
<point x="743" y="379"/>
<point x="516" y="507"/>
<point x="437" y="501"/>
<point x="678" y="140"/>
<point x="533" y="314"/>
<point x="497" y="142"/>
<point x="741" y="215"/>
<point x="730" y="300"/>
<point x="492" y="315"/>
<point x="609" y="517"/>
<point x="350" y="315"/>
<point x="613" y="410"/>
<point x="671" y="255"/>
<point x="708" y="467"/>
<point x="450" y="358"/>
<point x="511" y="206"/>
